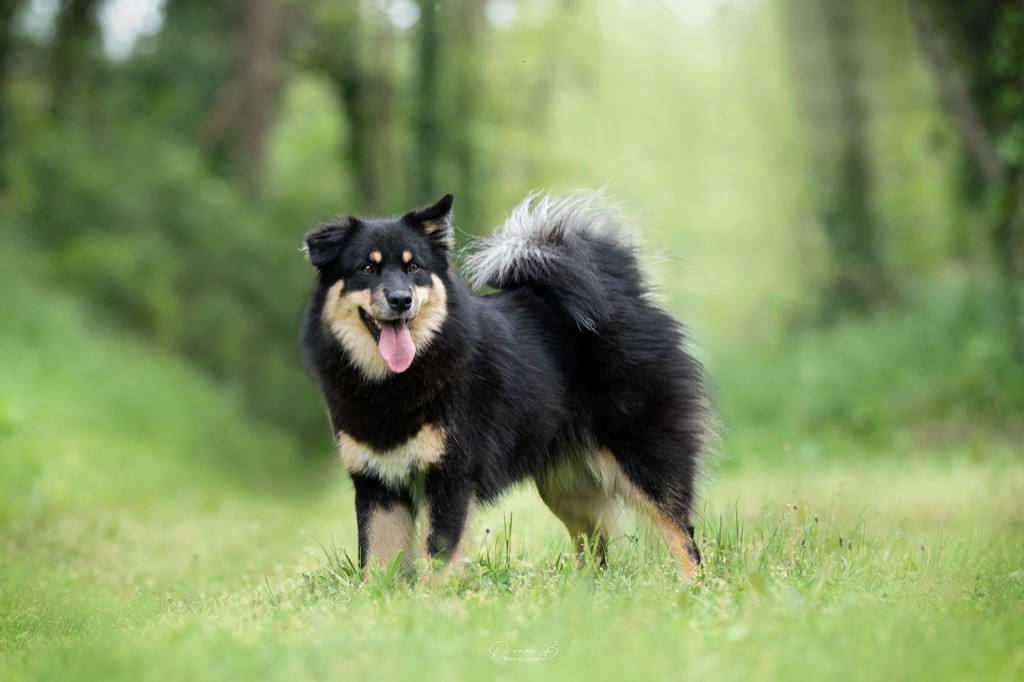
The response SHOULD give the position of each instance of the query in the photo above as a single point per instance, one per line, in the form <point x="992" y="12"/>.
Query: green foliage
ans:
<point x="174" y="79"/>
<point x="85" y="414"/>
<point x="932" y="373"/>
<point x="170" y="251"/>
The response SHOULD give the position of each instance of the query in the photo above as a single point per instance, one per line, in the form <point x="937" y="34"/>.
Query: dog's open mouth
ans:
<point x="394" y="340"/>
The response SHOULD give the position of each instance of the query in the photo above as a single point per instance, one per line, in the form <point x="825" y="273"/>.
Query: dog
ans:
<point x="568" y="374"/>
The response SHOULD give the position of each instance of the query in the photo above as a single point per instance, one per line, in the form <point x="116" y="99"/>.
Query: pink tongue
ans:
<point x="396" y="346"/>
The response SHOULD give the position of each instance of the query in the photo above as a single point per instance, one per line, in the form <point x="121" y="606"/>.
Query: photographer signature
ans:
<point x="505" y="653"/>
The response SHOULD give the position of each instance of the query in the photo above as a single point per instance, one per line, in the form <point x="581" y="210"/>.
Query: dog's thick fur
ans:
<point x="568" y="375"/>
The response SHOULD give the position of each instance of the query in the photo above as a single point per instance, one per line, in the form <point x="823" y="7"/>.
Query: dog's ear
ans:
<point x="324" y="244"/>
<point x="435" y="221"/>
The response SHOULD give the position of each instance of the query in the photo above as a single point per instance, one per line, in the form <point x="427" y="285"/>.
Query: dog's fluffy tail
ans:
<point x="569" y="248"/>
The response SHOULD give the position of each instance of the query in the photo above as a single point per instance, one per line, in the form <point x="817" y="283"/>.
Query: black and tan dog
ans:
<point x="440" y="399"/>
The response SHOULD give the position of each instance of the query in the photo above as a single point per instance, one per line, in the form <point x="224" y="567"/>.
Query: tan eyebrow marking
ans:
<point x="406" y="256"/>
<point x="376" y="257"/>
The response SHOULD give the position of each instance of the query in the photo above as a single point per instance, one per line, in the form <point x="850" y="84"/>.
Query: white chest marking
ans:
<point x="398" y="464"/>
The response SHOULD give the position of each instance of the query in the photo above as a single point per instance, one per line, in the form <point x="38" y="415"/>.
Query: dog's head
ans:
<point x="385" y="294"/>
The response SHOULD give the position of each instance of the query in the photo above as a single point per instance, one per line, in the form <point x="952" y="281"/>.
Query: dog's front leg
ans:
<point x="385" y="517"/>
<point x="448" y="497"/>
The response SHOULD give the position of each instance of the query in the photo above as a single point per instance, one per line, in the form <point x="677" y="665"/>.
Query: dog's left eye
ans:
<point x="413" y="267"/>
<point x="367" y="269"/>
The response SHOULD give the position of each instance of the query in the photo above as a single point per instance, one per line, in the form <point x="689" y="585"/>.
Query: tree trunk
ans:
<point x="823" y="43"/>
<point x="466" y="46"/>
<point x="260" y="86"/>
<point x="1002" y="176"/>
<point x="954" y="93"/>
<point x="75" y="29"/>
<point x="363" y="82"/>
<point x="7" y="10"/>
<point x="1009" y="110"/>
<point x="444" y="111"/>
<point x="1008" y="240"/>
<point x="242" y="116"/>
<point x="427" y="103"/>
<point x="366" y="102"/>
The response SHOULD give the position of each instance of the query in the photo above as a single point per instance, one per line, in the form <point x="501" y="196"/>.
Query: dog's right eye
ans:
<point x="367" y="269"/>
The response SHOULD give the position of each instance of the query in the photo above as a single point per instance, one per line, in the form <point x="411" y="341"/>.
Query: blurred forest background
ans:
<point x="831" y="193"/>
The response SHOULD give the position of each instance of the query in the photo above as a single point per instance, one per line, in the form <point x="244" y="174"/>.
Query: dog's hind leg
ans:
<point x="659" y="484"/>
<point x="577" y="498"/>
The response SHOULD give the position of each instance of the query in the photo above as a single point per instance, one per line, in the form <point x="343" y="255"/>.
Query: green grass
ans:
<point x="150" y="529"/>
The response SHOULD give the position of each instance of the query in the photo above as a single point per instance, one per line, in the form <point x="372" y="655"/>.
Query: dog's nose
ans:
<point x="400" y="301"/>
